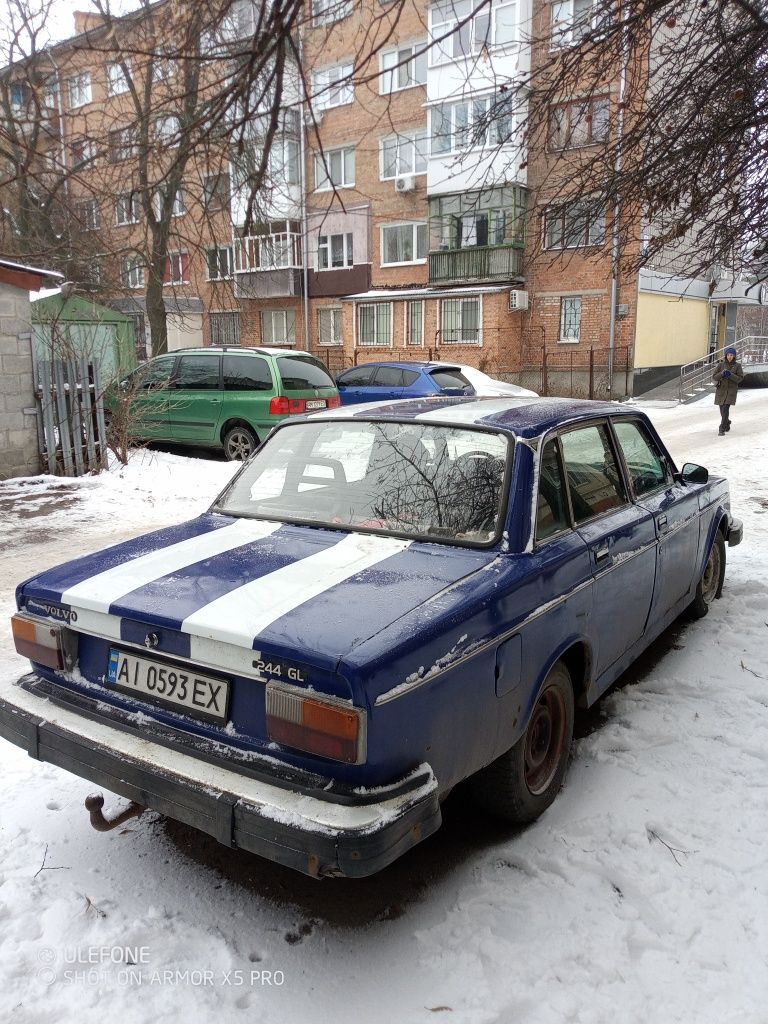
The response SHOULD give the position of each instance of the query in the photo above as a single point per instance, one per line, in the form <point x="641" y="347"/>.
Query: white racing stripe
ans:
<point x="239" y="616"/>
<point x="98" y="592"/>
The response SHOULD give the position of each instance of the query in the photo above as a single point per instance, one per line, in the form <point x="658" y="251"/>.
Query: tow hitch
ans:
<point x="94" y="804"/>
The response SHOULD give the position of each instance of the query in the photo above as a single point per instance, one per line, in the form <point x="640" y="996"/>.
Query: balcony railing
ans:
<point x="267" y="252"/>
<point x="477" y="263"/>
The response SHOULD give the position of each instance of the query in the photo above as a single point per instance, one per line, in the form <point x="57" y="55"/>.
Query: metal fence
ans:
<point x="578" y="373"/>
<point x="71" y="429"/>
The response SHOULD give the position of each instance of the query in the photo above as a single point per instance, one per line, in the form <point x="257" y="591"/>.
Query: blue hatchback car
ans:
<point x="383" y="382"/>
<point x="382" y="604"/>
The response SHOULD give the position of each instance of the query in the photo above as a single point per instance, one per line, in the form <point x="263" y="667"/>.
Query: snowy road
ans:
<point x="640" y="896"/>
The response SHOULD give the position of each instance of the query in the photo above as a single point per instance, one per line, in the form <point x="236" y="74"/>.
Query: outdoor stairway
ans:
<point x="694" y="381"/>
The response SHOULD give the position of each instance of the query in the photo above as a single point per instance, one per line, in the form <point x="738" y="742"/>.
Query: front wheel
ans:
<point x="711" y="583"/>
<point x="523" y="782"/>
<point x="239" y="444"/>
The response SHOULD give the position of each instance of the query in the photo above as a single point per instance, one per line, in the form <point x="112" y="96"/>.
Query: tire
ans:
<point x="523" y="782"/>
<point x="240" y="443"/>
<point x="710" y="585"/>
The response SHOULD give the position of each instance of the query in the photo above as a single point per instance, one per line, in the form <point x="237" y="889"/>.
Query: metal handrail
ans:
<point x="752" y="349"/>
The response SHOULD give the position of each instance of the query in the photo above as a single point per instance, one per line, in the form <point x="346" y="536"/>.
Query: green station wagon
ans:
<point x="226" y="398"/>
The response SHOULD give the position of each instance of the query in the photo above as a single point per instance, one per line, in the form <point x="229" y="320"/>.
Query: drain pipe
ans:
<point x="615" y="246"/>
<point x="304" y="219"/>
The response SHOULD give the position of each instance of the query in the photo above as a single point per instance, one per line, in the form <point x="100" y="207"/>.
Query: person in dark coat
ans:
<point x="728" y="376"/>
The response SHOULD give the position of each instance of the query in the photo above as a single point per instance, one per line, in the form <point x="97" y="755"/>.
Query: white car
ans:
<point x="488" y="387"/>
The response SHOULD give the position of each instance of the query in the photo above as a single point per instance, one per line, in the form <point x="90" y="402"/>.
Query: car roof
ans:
<point x="247" y="349"/>
<point x="408" y="364"/>
<point x="524" y="417"/>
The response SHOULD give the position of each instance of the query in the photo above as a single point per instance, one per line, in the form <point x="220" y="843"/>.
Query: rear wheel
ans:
<point x="521" y="784"/>
<point x="711" y="583"/>
<point x="240" y="443"/>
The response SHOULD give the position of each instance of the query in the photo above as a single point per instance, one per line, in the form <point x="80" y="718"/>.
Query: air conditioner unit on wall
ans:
<point x="405" y="184"/>
<point x="517" y="300"/>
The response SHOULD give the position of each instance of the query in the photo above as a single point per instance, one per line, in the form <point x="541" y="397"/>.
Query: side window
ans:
<point x="247" y="373"/>
<point x="198" y="373"/>
<point x="389" y="377"/>
<point x="590" y="468"/>
<point x="647" y="469"/>
<point x="552" y="508"/>
<point x="155" y="375"/>
<point x="360" y="377"/>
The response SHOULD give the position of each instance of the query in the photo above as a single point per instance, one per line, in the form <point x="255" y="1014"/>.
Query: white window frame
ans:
<point x="414" y="225"/>
<point x="481" y="110"/>
<point x="218" y="249"/>
<point x="179" y="207"/>
<point x="333" y="87"/>
<point x="276" y="315"/>
<point x="167" y="136"/>
<point x="377" y="342"/>
<point x="284" y="160"/>
<point x="407" y="325"/>
<point x="326" y="12"/>
<point x="88" y="213"/>
<point x="130" y="203"/>
<point x="163" y="68"/>
<point x="173" y="278"/>
<point x="419" y="146"/>
<point x="446" y="37"/>
<point x="337" y="326"/>
<point x="566" y="214"/>
<point x="132" y="272"/>
<point x="323" y="161"/>
<point x="89" y="153"/>
<point x="579" y="113"/>
<point x="578" y="306"/>
<point x="347" y="244"/>
<point x="79" y="90"/>
<point x="478" y="342"/>
<point x="128" y="145"/>
<point x="566" y="29"/>
<point x="117" y="80"/>
<point x="404" y="61"/>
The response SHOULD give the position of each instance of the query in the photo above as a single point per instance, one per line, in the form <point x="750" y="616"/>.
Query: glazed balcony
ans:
<point x="267" y="266"/>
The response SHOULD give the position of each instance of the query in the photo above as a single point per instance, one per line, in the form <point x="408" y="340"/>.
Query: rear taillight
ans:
<point x="318" y="726"/>
<point x="334" y="403"/>
<point x="44" y="642"/>
<point x="282" y="406"/>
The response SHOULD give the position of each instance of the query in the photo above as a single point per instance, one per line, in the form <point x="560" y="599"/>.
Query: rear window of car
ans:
<point x="449" y="379"/>
<point x="299" y="373"/>
<point x="198" y="373"/>
<point x="247" y="373"/>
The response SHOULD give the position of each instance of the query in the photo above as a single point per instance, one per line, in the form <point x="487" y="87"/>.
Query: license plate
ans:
<point x="201" y="696"/>
<point x="315" y="403"/>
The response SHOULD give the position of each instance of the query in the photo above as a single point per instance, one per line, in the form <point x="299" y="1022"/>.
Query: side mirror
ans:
<point x="693" y="474"/>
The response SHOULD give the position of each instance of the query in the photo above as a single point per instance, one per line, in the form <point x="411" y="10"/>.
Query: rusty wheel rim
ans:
<point x="545" y="741"/>
<point x="711" y="578"/>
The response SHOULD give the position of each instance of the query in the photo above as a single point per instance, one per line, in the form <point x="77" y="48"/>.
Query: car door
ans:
<point x="389" y="382"/>
<point x="356" y="385"/>
<point x="674" y="507"/>
<point x="146" y="393"/>
<point x="248" y="388"/>
<point x="620" y="536"/>
<point x="195" y="406"/>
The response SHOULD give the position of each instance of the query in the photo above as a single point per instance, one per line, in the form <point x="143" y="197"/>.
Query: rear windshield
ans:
<point x="300" y="373"/>
<point x="417" y="480"/>
<point x="450" y="379"/>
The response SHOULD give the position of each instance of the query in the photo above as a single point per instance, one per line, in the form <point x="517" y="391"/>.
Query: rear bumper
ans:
<point x="300" y="830"/>
<point x="735" y="533"/>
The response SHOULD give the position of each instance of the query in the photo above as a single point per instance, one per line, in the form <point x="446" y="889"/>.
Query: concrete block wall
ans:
<point x="18" y="426"/>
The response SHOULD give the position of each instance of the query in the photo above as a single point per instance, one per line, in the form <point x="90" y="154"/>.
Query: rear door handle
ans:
<point x="662" y="521"/>
<point x="601" y="554"/>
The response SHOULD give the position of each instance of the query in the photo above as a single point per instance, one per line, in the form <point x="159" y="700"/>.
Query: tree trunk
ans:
<point x="156" y="315"/>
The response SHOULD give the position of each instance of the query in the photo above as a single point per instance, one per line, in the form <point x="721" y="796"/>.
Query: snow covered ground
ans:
<point x="640" y="896"/>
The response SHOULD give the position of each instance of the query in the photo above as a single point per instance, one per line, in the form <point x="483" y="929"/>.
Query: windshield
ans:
<point x="431" y="482"/>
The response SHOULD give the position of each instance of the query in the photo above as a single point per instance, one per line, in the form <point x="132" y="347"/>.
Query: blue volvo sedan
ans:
<point x="385" y="602"/>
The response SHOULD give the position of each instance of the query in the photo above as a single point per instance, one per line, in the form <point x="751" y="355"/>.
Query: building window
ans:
<point x="20" y="94"/>
<point x="178" y="207"/>
<point x="176" y="268"/>
<point x="132" y="272"/>
<point x="334" y="251"/>
<point x="278" y="327"/>
<point x="403" y="243"/>
<point x="414" y="323"/>
<point x="329" y="326"/>
<point x="88" y="215"/>
<point x="570" y="319"/>
<point x="403" y="68"/>
<point x="216" y="192"/>
<point x="83" y="153"/>
<point x="168" y="130"/>
<point x="219" y="262"/>
<point x="573" y="19"/>
<point x="123" y="144"/>
<point x="333" y="87"/>
<point x="225" y="328"/>
<point x="403" y="154"/>
<point x="117" y="79"/>
<point x="496" y="216"/>
<point x="374" y="324"/>
<point x="580" y="123"/>
<point x="460" y="322"/>
<point x="284" y="161"/>
<point x="79" y="89"/>
<point x="472" y="124"/>
<point x="455" y="34"/>
<point x="335" y="169"/>
<point x="163" y="68"/>
<point x="127" y="209"/>
<point x="324" y="12"/>
<point x="574" y="225"/>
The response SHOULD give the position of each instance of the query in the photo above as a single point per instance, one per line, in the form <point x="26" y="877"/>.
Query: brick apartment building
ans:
<point x="397" y="223"/>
